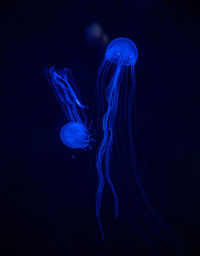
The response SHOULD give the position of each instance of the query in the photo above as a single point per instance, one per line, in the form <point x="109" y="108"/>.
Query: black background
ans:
<point x="47" y="197"/>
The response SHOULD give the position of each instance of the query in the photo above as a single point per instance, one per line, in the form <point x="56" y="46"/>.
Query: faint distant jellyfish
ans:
<point x="75" y="133"/>
<point x="118" y="162"/>
<point x="94" y="34"/>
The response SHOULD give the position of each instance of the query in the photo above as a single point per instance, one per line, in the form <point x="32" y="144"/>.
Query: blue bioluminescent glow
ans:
<point x="121" y="53"/>
<point x="118" y="162"/>
<point x="75" y="133"/>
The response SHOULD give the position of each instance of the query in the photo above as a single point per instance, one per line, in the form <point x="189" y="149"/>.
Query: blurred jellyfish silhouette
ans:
<point x="75" y="134"/>
<point x="94" y="34"/>
<point x="119" y="165"/>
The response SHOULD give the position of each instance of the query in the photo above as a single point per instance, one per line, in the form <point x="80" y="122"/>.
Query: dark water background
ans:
<point x="47" y="197"/>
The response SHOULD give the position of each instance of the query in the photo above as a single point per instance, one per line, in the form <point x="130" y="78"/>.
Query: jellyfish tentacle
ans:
<point x="100" y="187"/>
<point x="112" y="99"/>
<point x="107" y="141"/>
<point x="99" y="195"/>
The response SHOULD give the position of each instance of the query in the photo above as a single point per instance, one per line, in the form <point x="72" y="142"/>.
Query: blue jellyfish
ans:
<point x="120" y="53"/>
<point x="119" y="164"/>
<point x="75" y="134"/>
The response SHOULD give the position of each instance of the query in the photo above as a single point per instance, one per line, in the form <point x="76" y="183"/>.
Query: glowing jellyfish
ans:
<point x="118" y="163"/>
<point x="120" y="53"/>
<point x="75" y="133"/>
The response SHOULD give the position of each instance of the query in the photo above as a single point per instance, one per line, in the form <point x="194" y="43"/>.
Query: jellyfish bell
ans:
<point x="122" y="51"/>
<point x="75" y="135"/>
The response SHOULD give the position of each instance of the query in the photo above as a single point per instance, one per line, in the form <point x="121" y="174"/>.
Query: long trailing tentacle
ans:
<point x="105" y="148"/>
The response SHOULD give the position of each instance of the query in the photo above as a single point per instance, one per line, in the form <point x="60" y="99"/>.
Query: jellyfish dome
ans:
<point x="75" y="135"/>
<point x="122" y="51"/>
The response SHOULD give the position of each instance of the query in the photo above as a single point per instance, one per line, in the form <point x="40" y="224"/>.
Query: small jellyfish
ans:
<point x="75" y="134"/>
<point x="119" y="164"/>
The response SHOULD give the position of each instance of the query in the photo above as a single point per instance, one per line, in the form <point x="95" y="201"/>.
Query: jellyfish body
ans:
<point x="121" y="52"/>
<point x="75" y="133"/>
<point x="117" y="161"/>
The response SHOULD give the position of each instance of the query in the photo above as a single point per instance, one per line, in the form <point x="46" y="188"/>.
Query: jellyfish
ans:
<point x="119" y="165"/>
<point x="94" y="34"/>
<point x="75" y="134"/>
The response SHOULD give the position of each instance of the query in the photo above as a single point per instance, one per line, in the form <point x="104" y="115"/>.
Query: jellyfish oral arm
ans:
<point x="103" y="154"/>
<point x="68" y="91"/>
<point x="62" y="84"/>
